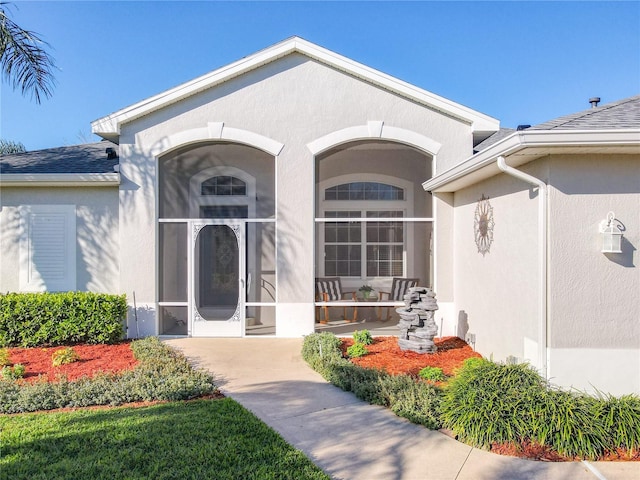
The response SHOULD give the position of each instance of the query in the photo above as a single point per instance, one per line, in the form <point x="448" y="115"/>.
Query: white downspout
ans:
<point x="542" y="239"/>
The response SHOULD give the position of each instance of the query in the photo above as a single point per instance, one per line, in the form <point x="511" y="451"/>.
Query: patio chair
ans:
<point x="399" y="287"/>
<point x="329" y="289"/>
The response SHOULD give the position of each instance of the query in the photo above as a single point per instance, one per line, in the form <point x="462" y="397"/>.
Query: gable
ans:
<point x="109" y="127"/>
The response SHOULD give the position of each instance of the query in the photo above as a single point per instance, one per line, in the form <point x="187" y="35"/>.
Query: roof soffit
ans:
<point x="109" y="126"/>
<point x="524" y="146"/>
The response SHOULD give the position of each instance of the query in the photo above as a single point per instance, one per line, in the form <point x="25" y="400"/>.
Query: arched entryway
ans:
<point x="373" y="224"/>
<point x="216" y="240"/>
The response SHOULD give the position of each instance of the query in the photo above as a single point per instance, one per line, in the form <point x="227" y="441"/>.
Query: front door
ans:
<point x="218" y="283"/>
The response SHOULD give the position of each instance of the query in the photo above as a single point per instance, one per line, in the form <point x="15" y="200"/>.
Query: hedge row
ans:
<point x="39" y="319"/>
<point x="162" y="374"/>
<point x="416" y="401"/>
<point x="488" y="403"/>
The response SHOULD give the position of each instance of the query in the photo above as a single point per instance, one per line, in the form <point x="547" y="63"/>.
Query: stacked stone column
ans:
<point x="417" y="326"/>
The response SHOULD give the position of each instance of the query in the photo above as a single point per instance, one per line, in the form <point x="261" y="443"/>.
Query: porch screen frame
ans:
<point x="406" y="206"/>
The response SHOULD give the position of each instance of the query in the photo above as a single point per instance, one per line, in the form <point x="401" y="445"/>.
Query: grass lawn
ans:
<point x="201" y="439"/>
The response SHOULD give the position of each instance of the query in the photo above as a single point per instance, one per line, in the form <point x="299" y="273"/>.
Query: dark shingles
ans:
<point x="87" y="158"/>
<point x="611" y="116"/>
<point x="495" y="138"/>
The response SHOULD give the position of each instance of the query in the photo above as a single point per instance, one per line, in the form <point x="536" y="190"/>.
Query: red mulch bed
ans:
<point x="93" y="359"/>
<point x="385" y="353"/>
<point x="534" y="451"/>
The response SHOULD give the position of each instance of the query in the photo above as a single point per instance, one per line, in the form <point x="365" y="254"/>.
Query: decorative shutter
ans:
<point x="48" y="248"/>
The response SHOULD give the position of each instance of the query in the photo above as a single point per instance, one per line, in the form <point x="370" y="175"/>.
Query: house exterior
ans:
<point x="215" y="205"/>
<point x="521" y="257"/>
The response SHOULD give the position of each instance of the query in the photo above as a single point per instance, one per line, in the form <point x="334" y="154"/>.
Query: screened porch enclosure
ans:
<point x="373" y="224"/>
<point x="216" y="241"/>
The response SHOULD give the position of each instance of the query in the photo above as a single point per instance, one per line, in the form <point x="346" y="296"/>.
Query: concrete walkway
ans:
<point x="352" y="440"/>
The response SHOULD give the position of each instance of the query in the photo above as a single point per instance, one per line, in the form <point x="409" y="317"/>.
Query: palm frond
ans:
<point x="24" y="62"/>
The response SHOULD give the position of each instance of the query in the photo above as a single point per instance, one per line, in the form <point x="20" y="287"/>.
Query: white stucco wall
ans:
<point x="97" y="255"/>
<point x="495" y="295"/>
<point x="594" y="335"/>
<point x="293" y="101"/>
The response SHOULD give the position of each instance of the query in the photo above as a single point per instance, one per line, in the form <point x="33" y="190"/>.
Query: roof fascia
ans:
<point x="518" y="142"/>
<point x="60" y="179"/>
<point x="109" y="126"/>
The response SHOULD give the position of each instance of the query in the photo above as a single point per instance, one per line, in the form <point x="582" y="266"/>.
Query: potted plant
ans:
<point x="366" y="291"/>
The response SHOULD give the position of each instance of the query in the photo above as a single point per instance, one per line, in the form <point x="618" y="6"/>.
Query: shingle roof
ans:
<point x="87" y="158"/>
<point x="496" y="137"/>
<point x="611" y="116"/>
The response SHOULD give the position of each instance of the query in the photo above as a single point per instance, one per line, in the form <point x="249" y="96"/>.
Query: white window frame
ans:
<point x="405" y="206"/>
<point x="31" y="279"/>
<point x="197" y="200"/>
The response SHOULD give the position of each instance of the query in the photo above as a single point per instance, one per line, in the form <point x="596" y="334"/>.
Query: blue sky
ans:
<point x="520" y="62"/>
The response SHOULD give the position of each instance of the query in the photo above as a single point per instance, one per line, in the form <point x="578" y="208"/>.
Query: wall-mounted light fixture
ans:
<point x="611" y="234"/>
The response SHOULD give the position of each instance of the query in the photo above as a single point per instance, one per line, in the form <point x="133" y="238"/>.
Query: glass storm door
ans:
<point x="218" y="283"/>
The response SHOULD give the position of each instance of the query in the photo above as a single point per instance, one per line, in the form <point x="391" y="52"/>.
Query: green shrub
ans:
<point x="151" y="348"/>
<point x="621" y="418"/>
<point x="162" y="374"/>
<point x="4" y="357"/>
<point x="64" y="356"/>
<point x="432" y="374"/>
<point x="357" y="350"/>
<point x="36" y="319"/>
<point x="320" y="350"/>
<point x="13" y="373"/>
<point x="363" y="382"/>
<point x="570" y="423"/>
<point x="363" y="336"/>
<point x="488" y="403"/>
<point x="417" y="402"/>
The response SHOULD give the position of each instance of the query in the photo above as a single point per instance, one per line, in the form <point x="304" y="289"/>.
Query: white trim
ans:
<point x="374" y="130"/>
<point x="371" y="219"/>
<point x="110" y="126"/>
<point x="30" y="277"/>
<point x="539" y="143"/>
<point x="197" y="325"/>
<point x="217" y="131"/>
<point x="59" y="179"/>
<point x="246" y="220"/>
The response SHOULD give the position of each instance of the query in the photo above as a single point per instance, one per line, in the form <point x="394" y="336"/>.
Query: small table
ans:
<point x="367" y="311"/>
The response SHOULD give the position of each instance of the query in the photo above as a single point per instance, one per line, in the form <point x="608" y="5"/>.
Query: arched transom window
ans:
<point x="223" y="185"/>
<point x="222" y="192"/>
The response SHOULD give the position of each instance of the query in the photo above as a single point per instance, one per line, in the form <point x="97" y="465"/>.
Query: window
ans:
<point x="364" y="249"/>
<point x="223" y="185"/>
<point x="48" y="248"/>
<point x="385" y="245"/>
<point x="364" y="191"/>
<point x="224" y="211"/>
<point x="343" y="246"/>
<point x="373" y="244"/>
<point x="222" y="192"/>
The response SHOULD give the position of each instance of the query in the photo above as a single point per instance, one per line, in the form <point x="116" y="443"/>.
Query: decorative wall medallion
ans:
<point x="483" y="225"/>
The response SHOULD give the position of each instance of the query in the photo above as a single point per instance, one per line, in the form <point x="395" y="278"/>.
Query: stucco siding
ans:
<point x="595" y="300"/>
<point x="294" y="101"/>
<point x="97" y="243"/>
<point x="496" y="295"/>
